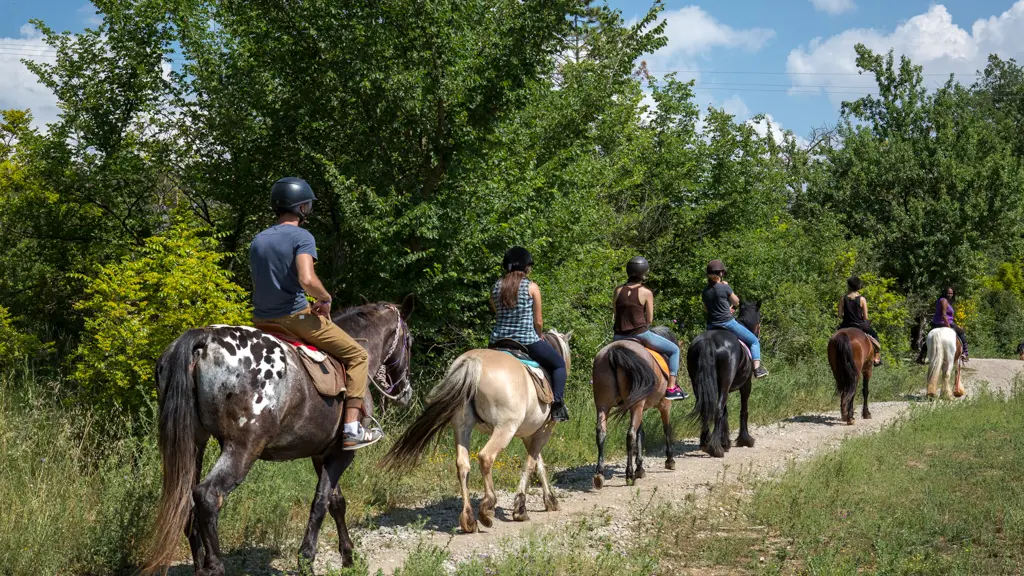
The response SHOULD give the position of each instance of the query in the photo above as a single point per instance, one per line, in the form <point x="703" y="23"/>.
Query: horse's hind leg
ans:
<point x="635" y="419"/>
<point x="865" y="413"/>
<point x="666" y="424"/>
<point x="744" y="439"/>
<point x="488" y="454"/>
<point x="534" y="448"/>
<point x="209" y="496"/>
<point x="195" y="541"/>
<point x="519" y="506"/>
<point x="601" y="433"/>
<point x="641" y="441"/>
<point x="463" y="434"/>
<point x="723" y="426"/>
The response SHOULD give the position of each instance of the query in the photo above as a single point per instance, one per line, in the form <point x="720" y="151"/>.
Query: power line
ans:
<point x="761" y="73"/>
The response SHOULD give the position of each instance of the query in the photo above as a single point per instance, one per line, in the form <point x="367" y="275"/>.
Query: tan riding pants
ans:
<point x="327" y="336"/>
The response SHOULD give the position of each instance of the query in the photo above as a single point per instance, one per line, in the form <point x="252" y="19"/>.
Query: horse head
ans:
<point x="750" y="316"/>
<point x="384" y="325"/>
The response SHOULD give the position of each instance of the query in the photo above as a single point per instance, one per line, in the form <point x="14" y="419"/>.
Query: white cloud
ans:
<point x="834" y="6"/>
<point x="89" y="15"/>
<point x="692" y="32"/>
<point x="20" y="88"/>
<point x="931" y="40"/>
<point x="736" y="106"/>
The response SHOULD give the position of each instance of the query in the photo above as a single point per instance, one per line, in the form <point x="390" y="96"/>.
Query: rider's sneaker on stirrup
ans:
<point x="361" y="439"/>
<point x="559" y="413"/>
<point x="676" y="394"/>
<point x="761" y="372"/>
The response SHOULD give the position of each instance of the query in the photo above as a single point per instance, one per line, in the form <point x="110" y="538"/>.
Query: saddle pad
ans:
<point x="745" y="348"/>
<point x="875" y="343"/>
<point x="530" y="362"/>
<point x="542" y="382"/>
<point x="327" y="374"/>
<point x="662" y="363"/>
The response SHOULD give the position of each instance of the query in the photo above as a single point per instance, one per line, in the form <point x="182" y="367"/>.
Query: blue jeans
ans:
<point x="743" y="334"/>
<point x="663" y="345"/>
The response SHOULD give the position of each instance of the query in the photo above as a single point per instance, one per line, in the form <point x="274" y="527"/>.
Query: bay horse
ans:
<point x="718" y="363"/>
<point x="252" y="393"/>
<point x="944" y="354"/>
<point x="851" y="356"/>
<point x="491" y="391"/>
<point x="628" y="380"/>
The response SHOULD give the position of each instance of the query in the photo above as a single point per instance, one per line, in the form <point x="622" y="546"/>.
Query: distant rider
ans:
<point x="719" y="300"/>
<point x="853" y="312"/>
<point x="634" y="314"/>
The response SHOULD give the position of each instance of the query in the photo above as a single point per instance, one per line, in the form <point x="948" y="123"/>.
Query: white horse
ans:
<point x="944" y="352"/>
<point x="490" y="391"/>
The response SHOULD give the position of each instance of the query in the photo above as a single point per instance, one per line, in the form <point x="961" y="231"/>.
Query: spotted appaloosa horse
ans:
<point x="252" y="393"/>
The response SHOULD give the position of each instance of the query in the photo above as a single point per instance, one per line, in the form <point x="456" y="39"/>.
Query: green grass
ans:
<point x="940" y="493"/>
<point x="75" y="503"/>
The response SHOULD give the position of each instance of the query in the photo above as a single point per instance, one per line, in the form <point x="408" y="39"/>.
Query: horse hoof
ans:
<point x="486" y="519"/>
<point x="959" y="394"/>
<point x="670" y="464"/>
<point x="468" y="524"/>
<point x="849" y="422"/>
<point x="551" y="504"/>
<point x="598" y="481"/>
<point x="519" y="509"/>
<point x="347" y="560"/>
<point x="747" y="442"/>
<point x="866" y="415"/>
<point x="641" y="473"/>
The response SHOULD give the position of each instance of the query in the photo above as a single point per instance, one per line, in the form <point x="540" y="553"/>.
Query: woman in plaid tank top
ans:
<point x="517" y="303"/>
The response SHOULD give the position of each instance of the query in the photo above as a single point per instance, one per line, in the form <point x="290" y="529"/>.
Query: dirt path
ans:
<point x="777" y="444"/>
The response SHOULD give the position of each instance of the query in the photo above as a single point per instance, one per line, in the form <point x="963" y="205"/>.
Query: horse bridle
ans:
<point x="381" y="379"/>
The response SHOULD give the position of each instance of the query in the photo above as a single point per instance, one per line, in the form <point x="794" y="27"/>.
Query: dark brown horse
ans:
<point x="251" y="393"/>
<point x="851" y="356"/>
<point x="718" y="364"/>
<point x="627" y="378"/>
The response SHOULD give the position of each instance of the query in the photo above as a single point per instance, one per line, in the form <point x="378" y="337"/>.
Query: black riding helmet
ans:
<point x="716" y="267"/>
<point x="516" y="259"/>
<point x="287" y="194"/>
<point x="637" y="268"/>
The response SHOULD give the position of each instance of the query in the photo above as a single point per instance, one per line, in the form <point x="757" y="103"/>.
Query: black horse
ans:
<point x="718" y="364"/>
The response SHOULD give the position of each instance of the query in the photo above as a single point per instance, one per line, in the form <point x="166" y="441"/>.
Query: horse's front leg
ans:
<point x="601" y="434"/>
<point x="744" y="439"/>
<point x="336" y="466"/>
<point x="534" y="448"/>
<point x="666" y="423"/>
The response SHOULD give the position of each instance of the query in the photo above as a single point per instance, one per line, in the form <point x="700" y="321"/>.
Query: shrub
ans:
<point x="887" y="311"/>
<point x="135" y="308"/>
<point x="15" y="346"/>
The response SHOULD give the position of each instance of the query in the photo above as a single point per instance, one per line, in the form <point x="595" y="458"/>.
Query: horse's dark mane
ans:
<point x="665" y="332"/>
<point x="749" y="314"/>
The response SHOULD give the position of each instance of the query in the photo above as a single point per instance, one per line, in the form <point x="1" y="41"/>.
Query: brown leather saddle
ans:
<point x="541" y="377"/>
<point x="327" y="374"/>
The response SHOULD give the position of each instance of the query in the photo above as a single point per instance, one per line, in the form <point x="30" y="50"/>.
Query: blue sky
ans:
<point x="790" y="59"/>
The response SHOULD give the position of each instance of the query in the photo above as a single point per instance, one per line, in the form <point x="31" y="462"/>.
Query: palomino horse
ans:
<point x="628" y="380"/>
<point x="944" y="352"/>
<point x="718" y="364"/>
<point x="252" y="393"/>
<point x="851" y="356"/>
<point x="491" y="391"/>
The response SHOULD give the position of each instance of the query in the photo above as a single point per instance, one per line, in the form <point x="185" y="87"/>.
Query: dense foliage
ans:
<point x="437" y="134"/>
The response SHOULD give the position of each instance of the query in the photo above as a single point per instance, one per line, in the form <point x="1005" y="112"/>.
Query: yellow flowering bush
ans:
<point x="135" y="308"/>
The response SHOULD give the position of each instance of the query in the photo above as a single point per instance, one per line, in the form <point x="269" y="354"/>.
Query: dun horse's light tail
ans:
<point x="845" y="370"/>
<point x="707" y="405"/>
<point x="641" y="378"/>
<point x="455" y="391"/>
<point x="178" y="424"/>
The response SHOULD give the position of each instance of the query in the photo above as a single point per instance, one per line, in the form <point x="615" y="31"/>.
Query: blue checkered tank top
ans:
<point x="514" y="323"/>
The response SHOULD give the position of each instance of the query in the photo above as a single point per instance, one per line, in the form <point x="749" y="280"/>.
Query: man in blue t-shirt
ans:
<point x="281" y="259"/>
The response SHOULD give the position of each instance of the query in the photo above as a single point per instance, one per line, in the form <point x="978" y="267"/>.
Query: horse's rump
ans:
<point x="541" y="377"/>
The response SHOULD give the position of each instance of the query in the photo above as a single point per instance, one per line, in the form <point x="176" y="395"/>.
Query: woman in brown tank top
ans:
<point x="634" y="312"/>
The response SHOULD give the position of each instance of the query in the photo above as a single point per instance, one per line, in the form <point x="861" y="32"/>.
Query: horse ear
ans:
<point x="408" y="305"/>
<point x="364" y="299"/>
<point x="568" y="335"/>
<point x="758" y="304"/>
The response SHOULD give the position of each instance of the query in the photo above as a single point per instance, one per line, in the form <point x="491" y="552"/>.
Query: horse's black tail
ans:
<point x="178" y="424"/>
<point x="845" y="370"/>
<point x="705" y="389"/>
<point x="451" y="396"/>
<point x="642" y="380"/>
